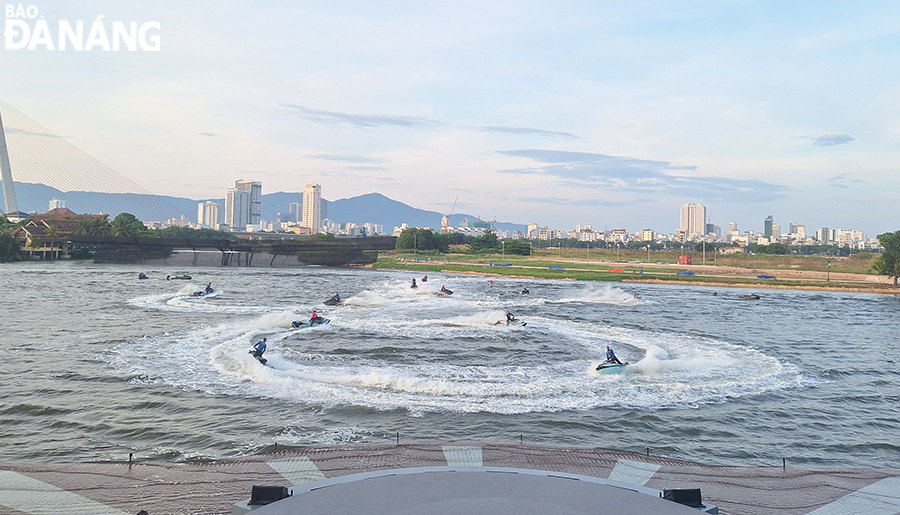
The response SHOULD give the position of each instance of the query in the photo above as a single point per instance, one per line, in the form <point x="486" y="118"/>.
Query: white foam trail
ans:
<point x="546" y="366"/>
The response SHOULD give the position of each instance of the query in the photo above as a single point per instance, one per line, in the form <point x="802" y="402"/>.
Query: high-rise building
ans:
<point x="237" y="209"/>
<point x="55" y="203"/>
<point x="532" y="231"/>
<point x="312" y="207"/>
<point x="208" y="214"/>
<point x="693" y="220"/>
<point x="255" y="190"/>
<point x="767" y="229"/>
<point x="296" y="212"/>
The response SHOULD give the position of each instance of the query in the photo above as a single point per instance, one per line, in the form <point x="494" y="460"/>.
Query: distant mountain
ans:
<point x="369" y="208"/>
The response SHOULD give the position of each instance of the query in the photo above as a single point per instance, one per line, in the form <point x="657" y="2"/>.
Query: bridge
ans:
<point x="244" y="251"/>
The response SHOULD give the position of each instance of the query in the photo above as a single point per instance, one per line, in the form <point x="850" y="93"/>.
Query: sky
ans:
<point x="607" y="113"/>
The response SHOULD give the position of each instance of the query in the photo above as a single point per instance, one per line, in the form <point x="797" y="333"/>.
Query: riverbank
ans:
<point x="544" y="267"/>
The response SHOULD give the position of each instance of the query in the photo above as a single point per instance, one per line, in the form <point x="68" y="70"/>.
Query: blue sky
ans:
<point x="612" y="114"/>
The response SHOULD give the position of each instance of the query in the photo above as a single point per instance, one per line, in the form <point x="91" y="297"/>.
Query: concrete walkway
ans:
<point x="212" y="488"/>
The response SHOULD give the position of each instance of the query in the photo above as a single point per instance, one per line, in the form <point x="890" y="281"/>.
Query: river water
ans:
<point x="99" y="365"/>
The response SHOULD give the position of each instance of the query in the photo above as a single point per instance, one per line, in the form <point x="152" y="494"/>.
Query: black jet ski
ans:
<point x="259" y="358"/>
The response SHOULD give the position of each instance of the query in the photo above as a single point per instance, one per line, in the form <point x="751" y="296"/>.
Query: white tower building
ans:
<point x="208" y="214"/>
<point x="693" y="220"/>
<point x="312" y="207"/>
<point x="237" y="209"/>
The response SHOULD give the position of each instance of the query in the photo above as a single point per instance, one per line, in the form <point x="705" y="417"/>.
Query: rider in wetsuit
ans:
<point x="611" y="356"/>
<point x="259" y="348"/>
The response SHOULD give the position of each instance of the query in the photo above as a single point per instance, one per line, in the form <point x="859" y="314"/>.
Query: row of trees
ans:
<point x="124" y="225"/>
<point x="127" y="225"/>
<point x="487" y="242"/>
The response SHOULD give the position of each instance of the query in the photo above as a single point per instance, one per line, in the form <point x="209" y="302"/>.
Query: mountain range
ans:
<point x="369" y="208"/>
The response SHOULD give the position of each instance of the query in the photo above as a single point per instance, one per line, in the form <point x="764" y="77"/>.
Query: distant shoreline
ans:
<point x="815" y="284"/>
<point x="889" y="291"/>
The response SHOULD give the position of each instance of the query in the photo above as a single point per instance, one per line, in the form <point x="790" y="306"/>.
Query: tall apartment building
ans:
<point x="693" y="220"/>
<point x="208" y="214"/>
<point x="767" y="226"/>
<point x="56" y="203"/>
<point x="532" y="231"/>
<point x="237" y="209"/>
<point x="255" y="190"/>
<point x="312" y="207"/>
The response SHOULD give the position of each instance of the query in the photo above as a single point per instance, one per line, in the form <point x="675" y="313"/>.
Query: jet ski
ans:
<point x="333" y="302"/>
<point x="182" y="276"/>
<point x="607" y="368"/>
<point x="511" y="322"/>
<point x="300" y="324"/>
<point x="445" y="291"/>
<point x="142" y="275"/>
<point x="205" y="293"/>
<point x="261" y="359"/>
<point x="752" y="296"/>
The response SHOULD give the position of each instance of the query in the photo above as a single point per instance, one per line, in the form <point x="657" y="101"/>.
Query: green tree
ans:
<point x="9" y="248"/>
<point x="521" y="248"/>
<point x="421" y="239"/>
<point x="457" y="238"/>
<point x="488" y="241"/>
<point x="92" y="227"/>
<point x="322" y="236"/>
<point x="52" y="234"/>
<point x="127" y="225"/>
<point x="888" y="263"/>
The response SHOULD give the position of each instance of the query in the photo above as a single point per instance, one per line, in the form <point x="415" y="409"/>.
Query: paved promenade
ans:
<point x="212" y="488"/>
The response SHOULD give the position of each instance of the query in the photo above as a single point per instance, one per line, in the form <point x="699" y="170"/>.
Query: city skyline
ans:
<point x="604" y="114"/>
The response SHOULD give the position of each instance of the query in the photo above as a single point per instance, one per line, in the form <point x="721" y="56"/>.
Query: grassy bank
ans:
<point x="801" y="272"/>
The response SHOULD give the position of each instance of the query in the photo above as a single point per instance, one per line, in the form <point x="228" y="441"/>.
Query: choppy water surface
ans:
<point x="99" y="364"/>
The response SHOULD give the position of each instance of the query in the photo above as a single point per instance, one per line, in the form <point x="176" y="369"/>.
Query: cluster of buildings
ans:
<point x="243" y="210"/>
<point x="694" y="227"/>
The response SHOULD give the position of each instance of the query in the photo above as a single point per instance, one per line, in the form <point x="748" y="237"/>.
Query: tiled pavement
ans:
<point x="212" y="488"/>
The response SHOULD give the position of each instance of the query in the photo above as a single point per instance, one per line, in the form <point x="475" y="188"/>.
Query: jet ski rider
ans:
<point x="611" y="356"/>
<point x="259" y="348"/>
